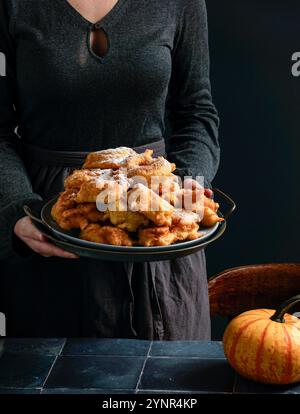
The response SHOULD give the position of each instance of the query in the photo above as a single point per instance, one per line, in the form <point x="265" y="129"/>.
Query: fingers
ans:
<point x="193" y="184"/>
<point x="30" y="235"/>
<point x="190" y="183"/>
<point x="208" y="192"/>
<point x="25" y="228"/>
<point x="47" y="250"/>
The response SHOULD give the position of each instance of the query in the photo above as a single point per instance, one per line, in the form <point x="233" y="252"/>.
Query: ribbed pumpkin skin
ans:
<point x="263" y="350"/>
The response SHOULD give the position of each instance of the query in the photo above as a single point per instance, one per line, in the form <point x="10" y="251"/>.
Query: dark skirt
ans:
<point x="54" y="297"/>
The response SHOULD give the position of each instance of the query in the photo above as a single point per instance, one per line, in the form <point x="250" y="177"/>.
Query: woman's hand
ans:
<point x="194" y="184"/>
<point x="29" y="234"/>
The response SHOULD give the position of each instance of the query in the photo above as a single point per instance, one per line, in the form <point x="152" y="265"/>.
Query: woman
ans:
<point x="84" y="76"/>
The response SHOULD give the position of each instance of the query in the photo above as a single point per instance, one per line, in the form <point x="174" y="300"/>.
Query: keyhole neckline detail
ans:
<point x="109" y="17"/>
<point x="93" y="49"/>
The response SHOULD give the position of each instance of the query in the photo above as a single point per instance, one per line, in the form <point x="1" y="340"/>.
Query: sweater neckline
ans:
<point x="108" y="18"/>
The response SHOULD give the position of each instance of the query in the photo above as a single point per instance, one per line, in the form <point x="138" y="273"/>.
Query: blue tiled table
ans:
<point x="116" y="366"/>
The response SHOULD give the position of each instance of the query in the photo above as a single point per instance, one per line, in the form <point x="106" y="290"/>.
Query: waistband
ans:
<point x="76" y="158"/>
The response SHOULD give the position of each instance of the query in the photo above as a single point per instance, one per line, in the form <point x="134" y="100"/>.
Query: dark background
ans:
<point x="258" y="99"/>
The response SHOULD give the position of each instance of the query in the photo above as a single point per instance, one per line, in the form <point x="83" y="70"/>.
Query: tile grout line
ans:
<point x="134" y="356"/>
<point x="98" y="356"/>
<point x="143" y="367"/>
<point x="62" y="347"/>
<point x="50" y="370"/>
<point x="6" y="387"/>
<point x="183" y="391"/>
<point x="184" y="357"/>
<point x="89" y="389"/>
<point x="53" y="363"/>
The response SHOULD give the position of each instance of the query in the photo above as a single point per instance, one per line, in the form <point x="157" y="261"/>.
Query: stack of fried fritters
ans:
<point x="135" y="182"/>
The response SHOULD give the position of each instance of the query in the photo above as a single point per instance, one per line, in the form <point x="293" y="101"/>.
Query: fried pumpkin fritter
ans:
<point x="123" y="198"/>
<point x="70" y="215"/>
<point x="113" y="158"/>
<point x="147" y="202"/>
<point x="106" y="234"/>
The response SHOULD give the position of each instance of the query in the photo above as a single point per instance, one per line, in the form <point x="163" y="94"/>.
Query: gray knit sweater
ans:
<point x="62" y="96"/>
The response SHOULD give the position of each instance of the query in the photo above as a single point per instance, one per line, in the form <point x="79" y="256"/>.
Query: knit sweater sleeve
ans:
<point x="193" y="142"/>
<point x="15" y="186"/>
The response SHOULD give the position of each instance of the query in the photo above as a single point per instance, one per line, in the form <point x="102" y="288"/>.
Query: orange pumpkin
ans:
<point x="265" y="346"/>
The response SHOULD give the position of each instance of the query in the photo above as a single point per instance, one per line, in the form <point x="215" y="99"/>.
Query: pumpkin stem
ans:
<point x="283" y="308"/>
